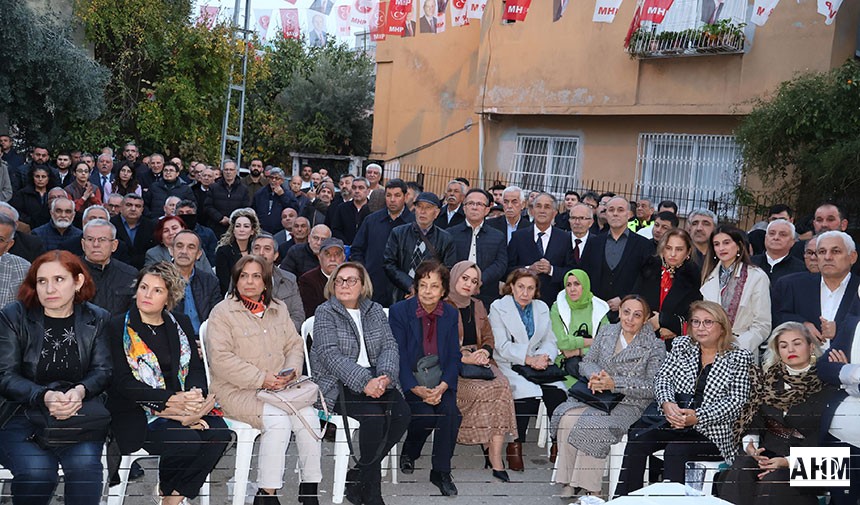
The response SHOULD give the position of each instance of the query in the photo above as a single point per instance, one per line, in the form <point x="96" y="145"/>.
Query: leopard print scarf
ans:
<point x="766" y="389"/>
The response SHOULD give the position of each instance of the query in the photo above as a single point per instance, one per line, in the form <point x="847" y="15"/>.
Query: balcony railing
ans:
<point x="721" y="38"/>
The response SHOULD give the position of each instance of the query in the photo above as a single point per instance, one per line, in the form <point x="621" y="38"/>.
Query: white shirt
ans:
<point x="473" y="248"/>
<point x="844" y="425"/>
<point x="451" y="212"/>
<point x="362" y="360"/>
<point x="773" y="262"/>
<point x="830" y="300"/>
<point x="582" y="241"/>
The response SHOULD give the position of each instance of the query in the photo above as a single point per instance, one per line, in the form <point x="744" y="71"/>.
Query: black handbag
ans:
<point x="571" y="366"/>
<point x="89" y="424"/>
<point x="479" y="372"/>
<point x="428" y="371"/>
<point x="652" y="419"/>
<point x="550" y="374"/>
<point x="604" y="401"/>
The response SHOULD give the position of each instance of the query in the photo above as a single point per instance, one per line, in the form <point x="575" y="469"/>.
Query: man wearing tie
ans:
<point x="542" y="248"/>
<point x="428" y="20"/>
<point x="101" y="177"/>
<point x="581" y="218"/>
<point x="512" y="201"/>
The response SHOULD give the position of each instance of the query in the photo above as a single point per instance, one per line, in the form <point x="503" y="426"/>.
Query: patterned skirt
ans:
<point x="487" y="408"/>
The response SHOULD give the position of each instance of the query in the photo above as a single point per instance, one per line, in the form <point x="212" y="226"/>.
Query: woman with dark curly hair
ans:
<point x="235" y="243"/>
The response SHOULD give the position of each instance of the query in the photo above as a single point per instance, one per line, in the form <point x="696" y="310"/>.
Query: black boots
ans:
<point x="264" y="498"/>
<point x="309" y="493"/>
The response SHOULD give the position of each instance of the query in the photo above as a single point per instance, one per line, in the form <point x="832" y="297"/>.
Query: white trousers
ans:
<point x="274" y="441"/>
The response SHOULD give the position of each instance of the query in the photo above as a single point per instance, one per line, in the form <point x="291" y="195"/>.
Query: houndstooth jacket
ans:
<point x="726" y="392"/>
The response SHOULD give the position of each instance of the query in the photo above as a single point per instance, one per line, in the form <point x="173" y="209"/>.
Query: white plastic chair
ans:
<point x="245" y="437"/>
<point x="542" y="424"/>
<point x="341" y="448"/>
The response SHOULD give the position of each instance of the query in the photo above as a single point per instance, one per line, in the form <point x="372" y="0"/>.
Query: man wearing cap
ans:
<point x="271" y="200"/>
<point x="312" y="284"/>
<point x="410" y="244"/>
<point x="303" y="258"/>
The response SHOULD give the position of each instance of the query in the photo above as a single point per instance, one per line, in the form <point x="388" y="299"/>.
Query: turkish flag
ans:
<point x="516" y="10"/>
<point x="378" y="22"/>
<point x="398" y="13"/>
<point x="263" y="19"/>
<point x="655" y="10"/>
<point x="290" y="23"/>
<point x="459" y="12"/>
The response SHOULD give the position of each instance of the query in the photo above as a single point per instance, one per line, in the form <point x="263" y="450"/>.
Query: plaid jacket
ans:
<point x="335" y="348"/>
<point x="726" y="392"/>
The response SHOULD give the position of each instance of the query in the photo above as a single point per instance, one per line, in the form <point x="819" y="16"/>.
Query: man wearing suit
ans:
<point x="133" y="229"/>
<point x="512" y="201"/>
<point x="452" y="213"/>
<point x="542" y="248"/>
<point x="318" y="35"/>
<point x="476" y="242"/>
<point x="614" y="259"/>
<point x="323" y="6"/>
<point x="312" y="283"/>
<point x="427" y="23"/>
<point x="777" y="260"/>
<point x="581" y="217"/>
<point x="835" y="286"/>
<point x="101" y="177"/>
<point x="711" y="10"/>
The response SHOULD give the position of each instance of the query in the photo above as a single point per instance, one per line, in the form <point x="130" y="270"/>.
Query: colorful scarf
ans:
<point x="255" y="307"/>
<point x="730" y="297"/>
<point x="144" y="363"/>
<point x="527" y="316"/>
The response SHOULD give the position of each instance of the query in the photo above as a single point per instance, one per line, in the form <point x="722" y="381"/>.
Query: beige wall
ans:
<point x="608" y="144"/>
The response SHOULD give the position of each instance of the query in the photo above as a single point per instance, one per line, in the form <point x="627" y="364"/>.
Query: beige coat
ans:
<point x="242" y="347"/>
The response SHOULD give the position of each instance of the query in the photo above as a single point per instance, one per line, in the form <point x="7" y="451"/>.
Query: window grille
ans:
<point x="546" y="163"/>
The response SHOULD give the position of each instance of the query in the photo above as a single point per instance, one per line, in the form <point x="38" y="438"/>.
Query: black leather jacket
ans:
<point x="22" y="332"/>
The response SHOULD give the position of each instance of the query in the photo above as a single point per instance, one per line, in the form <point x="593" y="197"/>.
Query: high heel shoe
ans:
<point x="487" y="463"/>
<point x="501" y="475"/>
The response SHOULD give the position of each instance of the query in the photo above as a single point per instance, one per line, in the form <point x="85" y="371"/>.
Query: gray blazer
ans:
<point x="334" y="351"/>
<point x="633" y="370"/>
<point x="286" y="289"/>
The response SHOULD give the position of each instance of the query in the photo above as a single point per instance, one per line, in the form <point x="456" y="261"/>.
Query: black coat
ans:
<point x="676" y="305"/>
<point x="799" y="299"/>
<point x="22" y="333"/>
<point x="31" y="207"/>
<point x="159" y="192"/>
<point x="492" y="256"/>
<point x="225" y="257"/>
<point x="143" y="240"/>
<point x="608" y="284"/>
<point x="346" y="221"/>
<point x="501" y="224"/>
<point x="788" y="265"/>
<point x="397" y="258"/>
<point x="442" y="218"/>
<point x="221" y="200"/>
<point x="127" y="394"/>
<point x="368" y="248"/>
<point x="300" y="259"/>
<point x="27" y="246"/>
<point x="115" y="285"/>
<point x="206" y="292"/>
<point x="523" y="251"/>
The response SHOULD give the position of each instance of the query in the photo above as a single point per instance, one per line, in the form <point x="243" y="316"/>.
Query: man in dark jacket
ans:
<point x="348" y="216"/>
<point x="225" y="195"/>
<point x="270" y="201"/>
<point x="135" y="230"/>
<point x="168" y="185"/>
<point x="202" y="292"/>
<point x="114" y="280"/>
<point x="26" y="246"/>
<point x="303" y="258"/>
<point x="284" y="284"/>
<point x="410" y="244"/>
<point x="312" y="283"/>
<point x="368" y="247"/>
<point x="481" y="244"/>
<point x="777" y="260"/>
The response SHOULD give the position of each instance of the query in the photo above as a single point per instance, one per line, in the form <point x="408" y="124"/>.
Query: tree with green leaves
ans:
<point x="47" y="83"/>
<point x="804" y="141"/>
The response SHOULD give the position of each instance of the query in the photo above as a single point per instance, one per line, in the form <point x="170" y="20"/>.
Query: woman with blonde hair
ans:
<point x="235" y="243"/>
<point x="700" y="391"/>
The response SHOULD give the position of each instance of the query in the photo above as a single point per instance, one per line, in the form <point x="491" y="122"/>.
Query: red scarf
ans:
<point x="428" y="324"/>
<point x="256" y="308"/>
<point x="666" y="280"/>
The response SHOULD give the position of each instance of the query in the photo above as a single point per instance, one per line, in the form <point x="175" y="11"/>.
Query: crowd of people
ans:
<point x="457" y="314"/>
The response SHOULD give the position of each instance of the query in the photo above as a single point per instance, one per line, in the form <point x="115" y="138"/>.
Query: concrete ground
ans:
<point x="475" y="485"/>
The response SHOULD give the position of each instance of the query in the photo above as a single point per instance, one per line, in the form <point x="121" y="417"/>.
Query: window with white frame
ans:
<point x="684" y="14"/>
<point x="692" y="170"/>
<point x="546" y="163"/>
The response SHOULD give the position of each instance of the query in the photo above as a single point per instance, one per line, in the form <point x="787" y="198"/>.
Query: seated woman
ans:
<point x="784" y="411"/>
<point x="255" y="345"/>
<point x="158" y="397"/>
<point x="424" y="325"/>
<point x="743" y="289"/>
<point x="624" y="358"/>
<point x="165" y="231"/>
<point x="523" y="335"/>
<point x="703" y="384"/>
<point x="52" y="334"/>
<point x="669" y="282"/>
<point x="356" y="364"/>
<point x="235" y="243"/>
<point x="576" y="316"/>
<point x="487" y="406"/>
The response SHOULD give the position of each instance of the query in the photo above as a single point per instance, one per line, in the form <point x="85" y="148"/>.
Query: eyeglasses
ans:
<point x="475" y="204"/>
<point x="98" y="240"/>
<point x="349" y="281"/>
<point x="810" y="254"/>
<point x="579" y="218"/>
<point x="82" y="171"/>
<point x="705" y="323"/>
